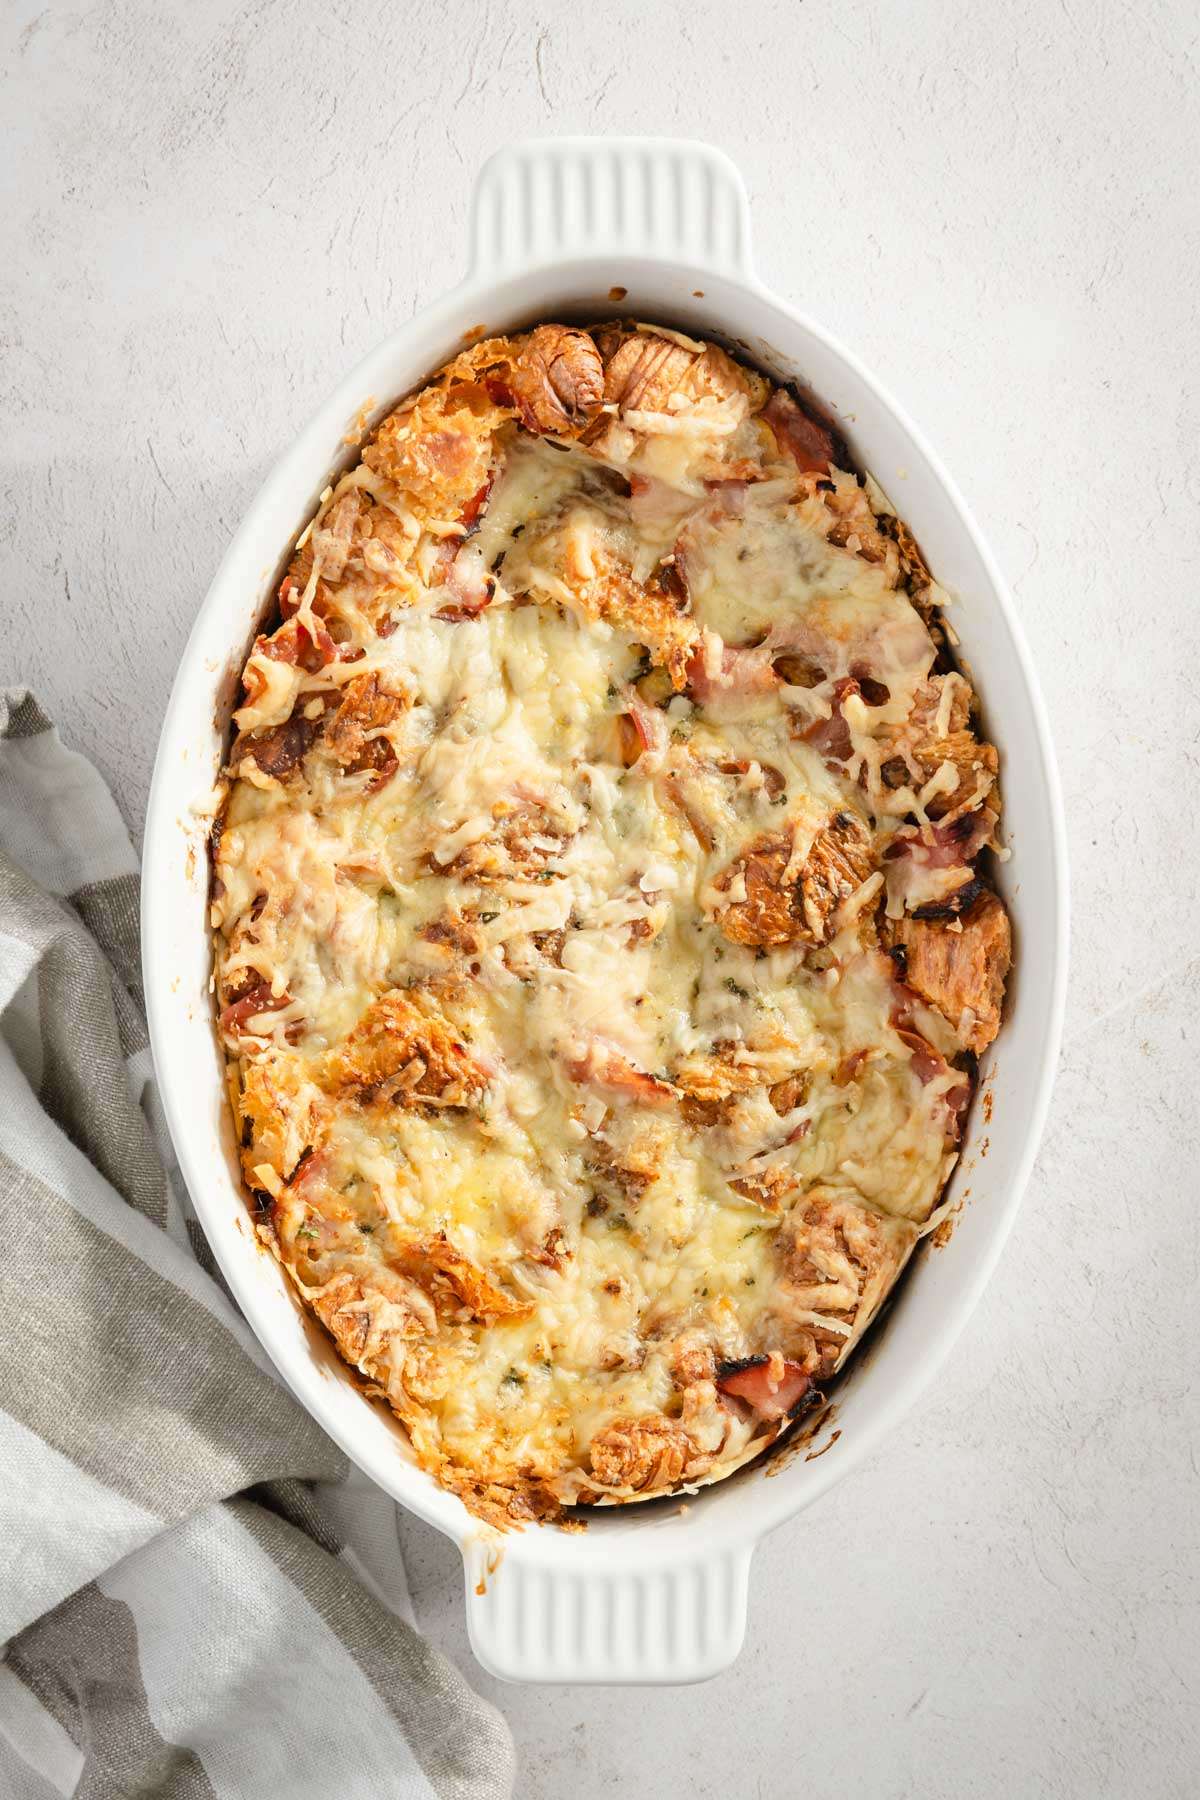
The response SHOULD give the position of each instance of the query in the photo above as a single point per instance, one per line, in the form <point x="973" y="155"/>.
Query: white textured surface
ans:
<point x="210" y="212"/>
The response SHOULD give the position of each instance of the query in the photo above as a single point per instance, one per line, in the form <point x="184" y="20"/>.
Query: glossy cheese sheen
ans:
<point x="570" y="1063"/>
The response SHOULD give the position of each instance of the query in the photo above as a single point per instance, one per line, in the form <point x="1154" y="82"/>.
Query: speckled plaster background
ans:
<point x="210" y="211"/>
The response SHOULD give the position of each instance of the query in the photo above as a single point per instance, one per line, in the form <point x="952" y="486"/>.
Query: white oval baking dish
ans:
<point x="656" y="229"/>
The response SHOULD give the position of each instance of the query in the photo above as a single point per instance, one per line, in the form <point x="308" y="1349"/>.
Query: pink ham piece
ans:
<point x="806" y="440"/>
<point x="929" y="869"/>
<point x="296" y="644"/>
<point x="277" y="751"/>
<point x="646" y="730"/>
<point x="729" y="496"/>
<point x="471" y="511"/>
<point x="928" y="1063"/>
<point x="606" y="1068"/>
<point x="653" y="502"/>
<point x="770" y="1385"/>
<point x="469" y="582"/>
<point x="742" y="672"/>
<point x="248" y="1005"/>
<point x="830" y="737"/>
<point x="942" y="846"/>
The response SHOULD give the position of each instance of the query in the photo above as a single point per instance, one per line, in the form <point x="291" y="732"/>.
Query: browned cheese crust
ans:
<point x="603" y="914"/>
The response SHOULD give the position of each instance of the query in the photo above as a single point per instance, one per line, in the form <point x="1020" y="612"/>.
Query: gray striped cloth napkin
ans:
<point x="197" y="1598"/>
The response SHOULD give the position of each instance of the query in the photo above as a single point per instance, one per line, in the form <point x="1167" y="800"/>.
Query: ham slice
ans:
<point x="807" y="442"/>
<point x="929" y="868"/>
<point x="929" y="1064"/>
<point x="830" y="737"/>
<point x="742" y="672"/>
<point x="770" y="1385"/>
<point x="248" y="1005"/>
<point x="643" y="729"/>
<point x="472" y="511"/>
<point x="470" y="583"/>
<point x="606" y="1068"/>
<point x="278" y="750"/>
<point x="296" y="644"/>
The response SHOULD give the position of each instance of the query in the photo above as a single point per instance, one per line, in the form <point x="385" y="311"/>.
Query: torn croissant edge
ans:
<point x="556" y="392"/>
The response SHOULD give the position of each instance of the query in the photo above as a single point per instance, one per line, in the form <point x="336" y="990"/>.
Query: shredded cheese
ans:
<point x="547" y="894"/>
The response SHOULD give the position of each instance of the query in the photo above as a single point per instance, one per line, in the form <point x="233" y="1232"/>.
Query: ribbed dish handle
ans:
<point x="669" y="199"/>
<point x="667" y="1622"/>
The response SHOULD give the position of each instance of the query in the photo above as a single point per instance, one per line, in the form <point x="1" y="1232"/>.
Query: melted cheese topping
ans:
<point x="562" y="822"/>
